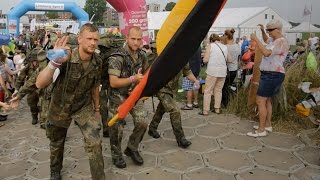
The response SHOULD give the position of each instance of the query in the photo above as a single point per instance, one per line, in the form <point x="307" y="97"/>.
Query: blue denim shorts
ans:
<point x="270" y="83"/>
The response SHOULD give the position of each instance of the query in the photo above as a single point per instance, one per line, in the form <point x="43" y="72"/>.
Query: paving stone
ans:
<point x="213" y="131"/>
<point x="228" y="161"/>
<point x="193" y="122"/>
<point x="224" y="119"/>
<point x="311" y="155"/>
<point x="240" y="142"/>
<point x="24" y="148"/>
<point x="149" y="161"/>
<point x="202" y="144"/>
<point x="282" y="141"/>
<point x="242" y="126"/>
<point x="181" y="161"/>
<point x="40" y="143"/>
<point x="207" y="174"/>
<point x="114" y="175"/>
<point x="285" y="161"/>
<point x="164" y="125"/>
<point x="41" y="170"/>
<point x="14" y="169"/>
<point x="156" y="173"/>
<point x="20" y="153"/>
<point x="41" y="156"/>
<point x="261" y="175"/>
<point x="159" y="146"/>
<point x="188" y="132"/>
<point x="15" y="128"/>
<point x="306" y="173"/>
<point x="17" y="143"/>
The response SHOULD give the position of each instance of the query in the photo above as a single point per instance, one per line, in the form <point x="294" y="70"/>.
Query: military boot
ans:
<point x="183" y="142"/>
<point x="34" y="119"/>
<point x="119" y="162"/>
<point x="135" y="156"/>
<point x="154" y="133"/>
<point x="55" y="175"/>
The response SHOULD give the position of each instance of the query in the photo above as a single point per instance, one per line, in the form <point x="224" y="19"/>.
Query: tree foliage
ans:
<point x="52" y="15"/>
<point x="170" y="6"/>
<point x="96" y="7"/>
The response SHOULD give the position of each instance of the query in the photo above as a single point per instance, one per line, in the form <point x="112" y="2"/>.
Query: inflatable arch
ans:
<point x="13" y="19"/>
<point x="132" y="13"/>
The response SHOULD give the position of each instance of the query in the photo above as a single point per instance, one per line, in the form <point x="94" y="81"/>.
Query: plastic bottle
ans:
<point x="54" y="54"/>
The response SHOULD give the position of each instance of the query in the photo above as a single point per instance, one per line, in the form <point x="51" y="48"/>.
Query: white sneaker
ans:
<point x="269" y="129"/>
<point x="257" y="134"/>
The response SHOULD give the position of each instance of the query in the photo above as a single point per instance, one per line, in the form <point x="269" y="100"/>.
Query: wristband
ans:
<point x="131" y="79"/>
<point x="52" y="67"/>
<point x="97" y="110"/>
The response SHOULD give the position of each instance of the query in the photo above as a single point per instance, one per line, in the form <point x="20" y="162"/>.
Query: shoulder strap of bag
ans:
<point x="222" y="52"/>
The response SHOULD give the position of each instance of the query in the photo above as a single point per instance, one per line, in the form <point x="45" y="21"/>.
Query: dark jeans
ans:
<point x="226" y="90"/>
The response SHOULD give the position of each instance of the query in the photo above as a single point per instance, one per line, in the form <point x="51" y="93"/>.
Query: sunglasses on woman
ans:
<point x="269" y="30"/>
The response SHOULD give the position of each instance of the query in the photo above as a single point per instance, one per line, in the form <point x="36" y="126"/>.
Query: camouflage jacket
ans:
<point x="30" y="85"/>
<point x="72" y="90"/>
<point x="172" y="86"/>
<point x="122" y="65"/>
<point x="27" y="72"/>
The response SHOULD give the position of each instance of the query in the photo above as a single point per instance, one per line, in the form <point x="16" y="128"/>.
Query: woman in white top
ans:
<point x="234" y="53"/>
<point x="272" y="73"/>
<point x="216" y="57"/>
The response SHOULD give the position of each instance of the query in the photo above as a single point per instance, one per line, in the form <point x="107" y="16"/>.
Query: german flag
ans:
<point x="178" y="39"/>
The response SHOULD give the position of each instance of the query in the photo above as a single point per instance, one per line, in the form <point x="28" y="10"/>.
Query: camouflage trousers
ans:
<point x="116" y="131"/>
<point x="44" y="107"/>
<point x="90" y="131"/>
<point x="168" y="104"/>
<point x="32" y="100"/>
<point x="104" y="109"/>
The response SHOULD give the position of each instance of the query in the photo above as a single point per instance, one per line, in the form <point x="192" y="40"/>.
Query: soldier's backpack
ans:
<point x="108" y="44"/>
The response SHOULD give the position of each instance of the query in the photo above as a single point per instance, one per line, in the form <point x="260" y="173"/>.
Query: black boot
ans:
<point x="106" y="133"/>
<point x="154" y="133"/>
<point x="184" y="143"/>
<point x="34" y="119"/>
<point x="135" y="156"/>
<point x="3" y="118"/>
<point x="55" y="175"/>
<point x="119" y="162"/>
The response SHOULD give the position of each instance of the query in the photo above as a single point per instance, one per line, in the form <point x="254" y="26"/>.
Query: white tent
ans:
<point x="304" y="27"/>
<point x="244" y="20"/>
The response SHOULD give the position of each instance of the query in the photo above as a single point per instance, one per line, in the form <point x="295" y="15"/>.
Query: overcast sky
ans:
<point x="291" y="10"/>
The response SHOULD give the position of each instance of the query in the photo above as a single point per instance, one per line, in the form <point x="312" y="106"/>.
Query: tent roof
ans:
<point x="232" y="17"/>
<point x="228" y="17"/>
<point x="304" y="27"/>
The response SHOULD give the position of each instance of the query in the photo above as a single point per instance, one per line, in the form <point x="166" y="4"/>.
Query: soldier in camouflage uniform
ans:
<point x="29" y="86"/>
<point x="168" y="104"/>
<point x="125" y="71"/>
<point x="25" y="74"/>
<point x="108" y="44"/>
<point x="75" y="96"/>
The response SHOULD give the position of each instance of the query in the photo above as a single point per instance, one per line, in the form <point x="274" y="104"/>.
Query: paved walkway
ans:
<point x="220" y="150"/>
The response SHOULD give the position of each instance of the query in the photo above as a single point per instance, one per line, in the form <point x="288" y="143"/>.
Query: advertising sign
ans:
<point x="12" y="26"/>
<point x="49" y="6"/>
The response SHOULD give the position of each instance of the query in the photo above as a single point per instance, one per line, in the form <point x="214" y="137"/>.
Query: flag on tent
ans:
<point x="306" y="11"/>
<point x="182" y="34"/>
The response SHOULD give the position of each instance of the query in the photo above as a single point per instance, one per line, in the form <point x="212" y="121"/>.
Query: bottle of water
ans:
<point x="54" y="54"/>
